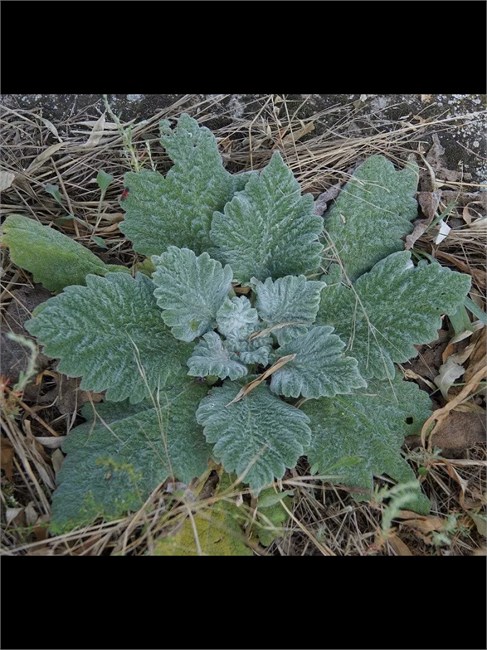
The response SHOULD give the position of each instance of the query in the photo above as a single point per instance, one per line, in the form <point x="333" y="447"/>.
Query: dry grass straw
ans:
<point x="325" y="519"/>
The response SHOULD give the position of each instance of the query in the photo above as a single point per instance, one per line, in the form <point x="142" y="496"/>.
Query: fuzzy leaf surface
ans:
<point x="259" y="436"/>
<point x="292" y="299"/>
<point x="237" y="319"/>
<point x="255" y="352"/>
<point x="390" y="309"/>
<point x="356" y="437"/>
<point x="372" y="214"/>
<point x="122" y="453"/>
<point x="210" y="357"/>
<point x="111" y="334"/>
<point x="176" y="210"/>
<point x="319" y="369"/>
<point x="251" y="351"/>
<point x="55" y="260"/>
<point x="269" y="229"/>
<point x="190" y="290"/>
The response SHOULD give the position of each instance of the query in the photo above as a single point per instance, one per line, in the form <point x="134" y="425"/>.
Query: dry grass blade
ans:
<point x="252" y="385"/>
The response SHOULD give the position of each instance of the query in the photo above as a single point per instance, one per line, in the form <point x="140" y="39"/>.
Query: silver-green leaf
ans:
<point x="123" y="452"/>
<point x="292" y="299"/>
<point x="391" y="309"/>
<point x="255" y="352"/>
<point x="269" y="229"/>
<point x="372" y="214"/>
<point x="54" y="259"/>
<point x="111" y="334"/>
<point x="190" y="290"/>
<point x="211" y="357"/>
<point x="236" y="319"/>
<point x="176" y="210"/>
<point x="256" y="437"/>
<point x="356" y="437"/>
<point x="319" y="368"/>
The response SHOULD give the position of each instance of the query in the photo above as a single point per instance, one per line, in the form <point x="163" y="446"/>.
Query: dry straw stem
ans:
<point x="325" y="519"/>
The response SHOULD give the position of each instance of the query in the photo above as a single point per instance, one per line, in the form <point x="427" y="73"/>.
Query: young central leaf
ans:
<point x="291" y="299"/>
<point x="236" y="319"/>
<point x="320" y="367"/>
<point x="257" y="437"/>
<point x="372" y="214"/>
<point x="116" y="459"/>
<point x="177" y="209"/>
<point x="55" y="260"/>
<point x="269" y="229"/>
<point x="211" y="357"/>
<point x="111" y="334"/>
<point x="190" y="290"/>
<point x="356" y="437"/>
<point x="391" y="308"/>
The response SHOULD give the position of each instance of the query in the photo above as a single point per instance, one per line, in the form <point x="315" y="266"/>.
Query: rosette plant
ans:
<point x="247" y="344"/>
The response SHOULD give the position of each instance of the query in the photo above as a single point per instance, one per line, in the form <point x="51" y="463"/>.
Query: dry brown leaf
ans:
<point x="435" y="154"/>
<point x="6" y="180"/>
<point x="452" y="367"/>
<point x="325" y="197"/>
<point x="438" y="416"/>
<point x="479" y="354"/>
<point x="459" y="430"/>
<point x="425" y="524"/>
<point x="449" y="372"/>
<point x="44" y="155"/>
<point x="461" y="198"/>
<point x="7" y="453"/>
<point x="429" y="202"/>
<point x="50" y="126"/>
<point x="466" y="216"/>
<point x="429" y="357"/>
<point x="400" y="547"/>
<point x="469" y="213"/>
<point x="420" y="227"/>
<point x="480" y="551"/>
<point x="40" y="530"/>
<point x="31" y="515"/>
<point x="112" y="216"/>
<point x="97" y="132"/>
<point x="450" y="175"/>
<point x="459" y="357"/>
<point x="470" y="407"/>
<point x="479" y="275"/>
<point x="57" y="459"/>
<point x="49" y="442"/>
<point x="15" y="516"/>
<point x="480" y="521"/>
